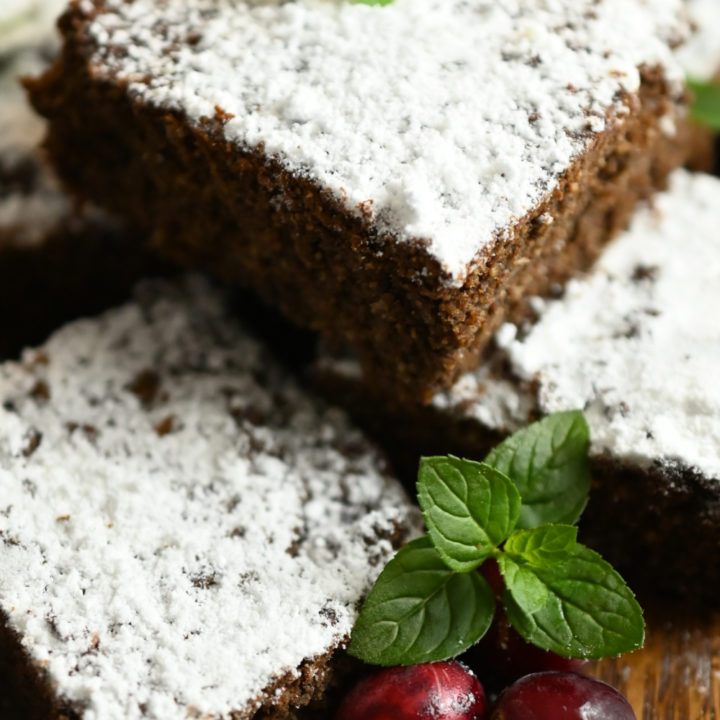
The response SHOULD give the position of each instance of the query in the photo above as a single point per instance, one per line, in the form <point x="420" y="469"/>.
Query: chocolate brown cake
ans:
<point x="634" y="345"/>
<point x="399" y="178"/>
<point x="183" y="532"/>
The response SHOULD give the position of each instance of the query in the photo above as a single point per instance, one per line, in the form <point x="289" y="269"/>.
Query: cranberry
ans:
<point x="506" y="655"/>
<point x="437" y="691"/>
<point x="561" y="696"/>
<point x="490" y="570"/>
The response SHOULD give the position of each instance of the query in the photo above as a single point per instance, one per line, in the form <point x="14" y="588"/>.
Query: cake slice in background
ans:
<point x="58" y="260"/>
<point x="27" y="23"/>
<point x="700" y="57"/>
<point x="184" y="532"/>
<point x="636" y="346"/>
<point x="399" y="178"/>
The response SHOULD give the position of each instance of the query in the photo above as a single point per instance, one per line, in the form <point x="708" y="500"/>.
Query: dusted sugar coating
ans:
<point x="441" y="122"/>
<point x="181" y="527"/>
<point x="636" y="344"/>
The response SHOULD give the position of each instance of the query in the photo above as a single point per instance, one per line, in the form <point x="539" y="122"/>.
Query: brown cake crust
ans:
<point x="209" y="204"/>
<point x="26" y="694"/>
<point x="702" y="148"/>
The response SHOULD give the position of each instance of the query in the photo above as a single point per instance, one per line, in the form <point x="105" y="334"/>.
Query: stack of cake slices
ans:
<point x="477" y="207"/>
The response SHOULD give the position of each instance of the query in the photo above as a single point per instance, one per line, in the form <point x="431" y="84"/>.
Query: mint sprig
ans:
<point x="430" y="603"/>
<point x="705" y="108"/>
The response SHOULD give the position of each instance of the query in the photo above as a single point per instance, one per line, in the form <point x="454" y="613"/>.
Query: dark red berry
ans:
<point x="506" y="655"/>
<point x="561" y="696"/>
<point x="490" y="570"/>
<point x="432" y="691"/>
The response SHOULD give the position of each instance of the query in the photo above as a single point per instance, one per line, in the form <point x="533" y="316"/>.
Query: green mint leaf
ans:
<point x="421" y="611"/>
<point x="529" y="592"/>
<point x="705" y="109"/>
<point x="589" y="611"/>
<point x="548" y="462"/>
<point x="469" y="509"/>
<point x="374" y="2"/>
<point x="545" y="545"/>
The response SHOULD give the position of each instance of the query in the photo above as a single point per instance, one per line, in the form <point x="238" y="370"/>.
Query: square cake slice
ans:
<point x="183" y="532"/>
<point x="400" y="178"/>
<point x="636" y="346"/>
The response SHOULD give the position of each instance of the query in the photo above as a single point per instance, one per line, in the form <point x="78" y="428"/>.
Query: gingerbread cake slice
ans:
<point x="399" y="178"/>
<point x="183" y="532"/>
<point x="635" y="345"/>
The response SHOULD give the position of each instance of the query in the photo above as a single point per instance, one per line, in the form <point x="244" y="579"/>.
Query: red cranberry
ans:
<point x="490" y="570"/>
<point x="432" y="691"/>
<point x="561" y="696"/>
<point x="505" y="654"/>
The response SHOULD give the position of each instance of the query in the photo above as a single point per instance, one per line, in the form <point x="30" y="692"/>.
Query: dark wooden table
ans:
<point x="676" y="676"/>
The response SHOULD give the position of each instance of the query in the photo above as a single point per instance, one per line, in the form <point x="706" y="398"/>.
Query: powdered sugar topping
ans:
<point x="446" y="120"/>
<point x="700" y="56"/>
<point x="181" y="524"/>
<point x="636" y="344"/>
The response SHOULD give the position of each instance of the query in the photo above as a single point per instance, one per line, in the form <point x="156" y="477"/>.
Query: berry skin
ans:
<point x="431" y="691"/>
<point x="490" y="570"/>
<point x="506" y="655"/>
<point x="561" y="696"/>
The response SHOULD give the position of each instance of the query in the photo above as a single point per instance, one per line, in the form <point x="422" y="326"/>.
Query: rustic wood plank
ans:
<point x="676" y="676"/>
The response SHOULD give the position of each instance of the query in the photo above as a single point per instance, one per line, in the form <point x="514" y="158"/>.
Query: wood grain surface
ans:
<point x="676" y="676"/>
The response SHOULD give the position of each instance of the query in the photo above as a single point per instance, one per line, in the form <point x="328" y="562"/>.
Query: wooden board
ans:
<point x="676" y="676"/>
